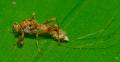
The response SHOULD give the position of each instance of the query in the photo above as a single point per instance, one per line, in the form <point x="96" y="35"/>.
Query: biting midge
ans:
<point x="30" y="26"/>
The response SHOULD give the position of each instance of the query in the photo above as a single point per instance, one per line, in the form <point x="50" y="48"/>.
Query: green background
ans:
<point x="76" y="17"/>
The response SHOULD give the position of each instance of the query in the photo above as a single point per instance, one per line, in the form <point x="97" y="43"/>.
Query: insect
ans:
<point x="31" y="27"/>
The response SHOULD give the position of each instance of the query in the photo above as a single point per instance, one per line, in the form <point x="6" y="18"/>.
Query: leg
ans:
<point x="20" y="40"/>
<point x="90" y="34"/>
<point x="83" y="37"/>
<point x="33" y="15"/>
<point x="37" y="43"/>
<point x="59" y="41"/>
<point x="50" y="20"/>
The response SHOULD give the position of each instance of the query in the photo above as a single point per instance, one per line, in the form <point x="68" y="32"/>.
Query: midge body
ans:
<point x="31" y="27"/>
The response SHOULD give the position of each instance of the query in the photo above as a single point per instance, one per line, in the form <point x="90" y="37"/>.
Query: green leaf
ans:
<point x="76" y="17"/>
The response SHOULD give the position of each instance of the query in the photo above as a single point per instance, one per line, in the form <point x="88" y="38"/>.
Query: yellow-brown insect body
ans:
<point x="29" y="26"/>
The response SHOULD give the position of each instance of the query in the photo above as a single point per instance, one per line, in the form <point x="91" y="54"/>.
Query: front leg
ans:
<point x="20" y="40"/>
